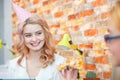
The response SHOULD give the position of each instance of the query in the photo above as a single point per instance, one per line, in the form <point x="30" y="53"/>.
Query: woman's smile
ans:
<point x="35" y="44"/>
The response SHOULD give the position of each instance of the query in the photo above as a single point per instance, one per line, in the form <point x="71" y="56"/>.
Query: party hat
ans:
<point x="21" y="13"/>
<point x="65" y="41"/>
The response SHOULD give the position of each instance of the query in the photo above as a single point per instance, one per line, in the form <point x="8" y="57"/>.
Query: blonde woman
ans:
<point x="36" y="50"/>
<point x="37" y="58"/>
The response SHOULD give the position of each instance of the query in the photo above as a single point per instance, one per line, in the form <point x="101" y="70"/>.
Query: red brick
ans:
<point x="36" y="1"/>
<point x="13" y="14"/>
<point x="70" y="17"/>
<point x="55" y="26"/>
<point x="14" y="34"/>
<point x="61" y="35"/>
<point x="86" y="13"/>
<point x="56" y="42"/>
<point x="91" y="32"/>
<point x="33" y="11"/>
<point x="89" y="46"/>
<point x="90" y="66"/>
<point x="82" y="46"/>
<point x="67" y="0"/>
<point x="52" y="0"/>
<point x="58" y="14"/>
<point x="23" y="5"/>
<point x="65" y="30"/>
<point x="105" y="15"/>
<point x="101" y="60"/>
<point x="107" y="75"/>
<point x="76" y="28"/>
<point x="91" y="79"/>
<point x="77" y="15"/>
<point x="98" y="3"/>
<point x="48" y="11"/>
<point x="86" y="46"/>
<point x="45" y="3"/>
<point x="27" y="0"/>
<point x="16" y="0"/>
<point x="41" y="14"/>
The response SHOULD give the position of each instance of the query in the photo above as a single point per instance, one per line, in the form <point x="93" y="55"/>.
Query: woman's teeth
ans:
<point x="35" y="44"/>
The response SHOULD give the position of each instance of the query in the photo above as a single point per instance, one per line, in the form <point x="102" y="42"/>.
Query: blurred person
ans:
<point x="113" y="38"/>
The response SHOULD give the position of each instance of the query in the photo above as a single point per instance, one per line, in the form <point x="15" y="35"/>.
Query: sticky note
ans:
<point x="0" y="43"/>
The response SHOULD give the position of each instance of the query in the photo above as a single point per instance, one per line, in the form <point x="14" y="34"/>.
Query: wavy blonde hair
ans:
<point x="115" y="14"/>
<point x="47" y="51"/>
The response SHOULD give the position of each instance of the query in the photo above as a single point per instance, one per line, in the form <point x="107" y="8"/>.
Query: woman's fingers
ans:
<point x="69" y="74"/>
<point x="74" y="76"/>
<point x="65" y="73"/>
<point x="61" y="75"/>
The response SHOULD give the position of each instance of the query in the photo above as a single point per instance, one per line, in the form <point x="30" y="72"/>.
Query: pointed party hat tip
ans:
<point x="21" y="13"/>
<point x="65" y="41"/>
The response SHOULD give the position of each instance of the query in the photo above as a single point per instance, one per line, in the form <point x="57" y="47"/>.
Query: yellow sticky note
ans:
<point x="0" y="43"/>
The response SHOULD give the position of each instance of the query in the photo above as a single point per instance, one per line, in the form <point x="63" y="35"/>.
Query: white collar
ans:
<point x="23" y="62"/>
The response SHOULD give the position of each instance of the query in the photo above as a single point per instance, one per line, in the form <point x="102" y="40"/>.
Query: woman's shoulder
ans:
<point x="13" y="63"/>
<point x="59" y="59"/>
<point x="14" y="60"/>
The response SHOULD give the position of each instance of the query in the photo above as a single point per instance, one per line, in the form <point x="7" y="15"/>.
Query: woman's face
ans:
<point x="114" y="44"/>
<point x="34" y="37"/>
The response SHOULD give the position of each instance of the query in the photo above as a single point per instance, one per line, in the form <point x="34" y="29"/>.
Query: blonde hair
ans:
<point x="115" y="14"/>
<point x="48" y="50"/>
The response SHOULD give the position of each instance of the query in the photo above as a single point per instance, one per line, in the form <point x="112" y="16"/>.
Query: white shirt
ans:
<point x="48" y="73"/>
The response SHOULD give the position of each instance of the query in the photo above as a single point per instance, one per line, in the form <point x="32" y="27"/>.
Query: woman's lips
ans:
<point x="35" y="44"/>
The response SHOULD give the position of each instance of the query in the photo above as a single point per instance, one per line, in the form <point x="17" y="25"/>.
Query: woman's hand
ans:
<point x="68" y="74"/>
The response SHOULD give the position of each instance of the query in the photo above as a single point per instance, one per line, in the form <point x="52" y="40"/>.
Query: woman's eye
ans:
<point x="39" y="33"/>
<point x="28" y="36"/>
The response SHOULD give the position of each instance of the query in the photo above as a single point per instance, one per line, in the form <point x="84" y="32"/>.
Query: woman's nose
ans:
<point x="34" y="38"/>
<point x="108" y="44"/>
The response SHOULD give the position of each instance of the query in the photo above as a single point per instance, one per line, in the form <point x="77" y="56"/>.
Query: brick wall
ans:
<point x="84" y="20"/>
